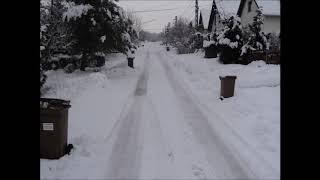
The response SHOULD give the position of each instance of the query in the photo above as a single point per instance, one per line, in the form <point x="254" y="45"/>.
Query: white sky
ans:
<point x="185" y="8"/>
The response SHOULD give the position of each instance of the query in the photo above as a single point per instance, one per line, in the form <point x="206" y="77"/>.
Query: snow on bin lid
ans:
<point x="227" y="76"/>
<point x="50" y="103"/>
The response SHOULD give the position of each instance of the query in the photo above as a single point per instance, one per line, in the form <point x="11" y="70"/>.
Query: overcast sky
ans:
<point x="184" y="8"/>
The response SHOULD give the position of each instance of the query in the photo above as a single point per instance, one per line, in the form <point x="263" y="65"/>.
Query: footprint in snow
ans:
<point x="198" y="171"/>
<point x="171" y="156"/>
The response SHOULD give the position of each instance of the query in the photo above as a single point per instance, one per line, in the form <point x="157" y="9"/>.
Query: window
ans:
<point x="249" y="5"/>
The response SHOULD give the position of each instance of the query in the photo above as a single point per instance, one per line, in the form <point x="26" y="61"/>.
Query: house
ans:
<point x="210" y="18"/>
<point x="270" y="11"/>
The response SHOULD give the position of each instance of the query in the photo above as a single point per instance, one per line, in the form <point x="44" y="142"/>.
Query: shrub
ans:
<point x="70" y="68"/>
<point x="274" y="42"/>
<point x="230" y="41"/>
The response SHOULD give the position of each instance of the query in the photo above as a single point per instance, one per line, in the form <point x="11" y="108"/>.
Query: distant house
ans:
<point x="270" y="11"/>
<point x="210" y="18"/>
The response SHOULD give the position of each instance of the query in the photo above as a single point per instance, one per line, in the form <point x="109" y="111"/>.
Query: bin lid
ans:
<point x="51" y="103"/>
<point x="228" y="77"/>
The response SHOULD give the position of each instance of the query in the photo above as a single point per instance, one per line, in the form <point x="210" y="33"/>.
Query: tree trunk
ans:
<point x="83" y="62"/>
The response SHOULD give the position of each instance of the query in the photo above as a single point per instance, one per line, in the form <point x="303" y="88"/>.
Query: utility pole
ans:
<point x="196" y="15"/>
<point x="176" y="20"/>
<point x="51" y="8"/>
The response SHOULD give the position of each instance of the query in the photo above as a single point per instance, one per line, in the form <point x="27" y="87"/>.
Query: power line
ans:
<point x="191" y="1"/>
<point x="180" y="0"/>
<point x="148" y="21"/>
<point x="153" y="28"/>
<point x="155" y="10"/>
<point x="186" y="0"/>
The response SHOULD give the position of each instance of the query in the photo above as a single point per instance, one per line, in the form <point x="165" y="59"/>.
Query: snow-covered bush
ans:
<point x="75" y="11"/>
<point x="230" y="41"/>
<point x="211" y="40"/>
<point x="210" y="45"/>
<point x="274" y="42"/>
<point x="69" y="68"/>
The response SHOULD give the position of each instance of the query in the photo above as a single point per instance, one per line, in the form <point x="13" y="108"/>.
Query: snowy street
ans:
<point x="149" y="124"/>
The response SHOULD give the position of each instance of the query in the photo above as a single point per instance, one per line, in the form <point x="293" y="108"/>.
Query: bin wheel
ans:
<point x="68" y="149"/>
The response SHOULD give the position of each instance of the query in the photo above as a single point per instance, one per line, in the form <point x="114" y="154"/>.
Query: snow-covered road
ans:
<point x="164" y="134"/>
<point x="151" y="122"/>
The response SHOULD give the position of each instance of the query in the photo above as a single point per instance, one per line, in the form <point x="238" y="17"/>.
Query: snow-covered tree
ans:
<point x="255" y="38"/>
<point x="55" y="35"/>
<point x="180" y="35"/>
<point x="136" y="25"/>
<point x="99" y="27"/>
<point x="230" y="41"/>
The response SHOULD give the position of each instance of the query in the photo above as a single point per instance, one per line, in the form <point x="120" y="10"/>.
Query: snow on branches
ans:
<point x="75" y="11"/>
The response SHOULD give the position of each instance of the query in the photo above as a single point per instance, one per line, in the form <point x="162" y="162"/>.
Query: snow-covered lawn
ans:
<point x="254" y="111"/>
<point x="97" y="99"/>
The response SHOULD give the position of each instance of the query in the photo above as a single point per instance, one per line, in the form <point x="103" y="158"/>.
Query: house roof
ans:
<point x="227" y="8"/>
<point x="271" y="8"/>
<point x="205" y="14"/>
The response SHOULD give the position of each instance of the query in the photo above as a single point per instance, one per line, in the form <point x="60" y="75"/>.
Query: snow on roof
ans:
<point x="205" y="13"/>
<point x="227" y="8"/>
<point x="269" y="7"/>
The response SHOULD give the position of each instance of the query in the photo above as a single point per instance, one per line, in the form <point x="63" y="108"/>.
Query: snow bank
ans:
<point x="68" y="86"/>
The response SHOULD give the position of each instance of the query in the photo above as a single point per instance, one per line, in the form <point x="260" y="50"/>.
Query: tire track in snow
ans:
<point x="125" y="157"/>
<point x="241" y="148"/>
<point x="226" y="164"/>
<point x="184" y="155"/>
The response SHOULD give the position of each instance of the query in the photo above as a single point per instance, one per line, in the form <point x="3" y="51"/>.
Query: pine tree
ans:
<point x="256" y="39"/>
<point x="55" y="36"/>
<point x="230" y="41"/>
